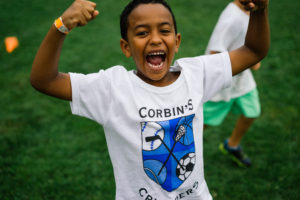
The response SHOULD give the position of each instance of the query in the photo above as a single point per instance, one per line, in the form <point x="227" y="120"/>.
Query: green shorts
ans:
<point x="247" y="105"/>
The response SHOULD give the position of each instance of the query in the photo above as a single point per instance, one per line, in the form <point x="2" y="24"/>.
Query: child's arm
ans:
<point x="45" y="76"/>
<point x="257" y="39"/>
<point x="256" y="67"/>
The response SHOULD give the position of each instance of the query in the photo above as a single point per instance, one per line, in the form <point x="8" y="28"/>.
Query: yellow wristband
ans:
<point x="60" y="26"/>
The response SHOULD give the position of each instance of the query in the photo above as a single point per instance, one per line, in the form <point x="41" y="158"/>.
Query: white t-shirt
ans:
<point x="154" y="134"/>
<point x="229" y="34"/>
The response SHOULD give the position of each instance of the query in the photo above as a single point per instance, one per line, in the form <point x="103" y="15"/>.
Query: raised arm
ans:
<point x="45" y="76"/>
<point x="257" y="39"/>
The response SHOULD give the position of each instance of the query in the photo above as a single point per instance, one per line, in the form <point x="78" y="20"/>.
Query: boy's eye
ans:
<point x="142" y="33"/>
<point x="165" y="31"/>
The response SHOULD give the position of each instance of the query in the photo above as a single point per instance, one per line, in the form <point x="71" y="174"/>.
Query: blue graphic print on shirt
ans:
<point x="169" y="151"/>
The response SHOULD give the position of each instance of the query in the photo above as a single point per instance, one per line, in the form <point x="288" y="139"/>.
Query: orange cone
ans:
<point x="11" y="43"/>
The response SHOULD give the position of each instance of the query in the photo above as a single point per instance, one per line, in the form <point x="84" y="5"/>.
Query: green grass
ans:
<point x="47" y="153"/>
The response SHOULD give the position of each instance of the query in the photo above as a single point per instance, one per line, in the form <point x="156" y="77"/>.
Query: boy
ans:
<point x="242" y="97"/>
<point x="152" y="117"/>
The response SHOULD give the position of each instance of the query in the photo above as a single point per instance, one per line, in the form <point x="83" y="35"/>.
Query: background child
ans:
<point x="152" y="116"/>
<point x="242" y="97"/>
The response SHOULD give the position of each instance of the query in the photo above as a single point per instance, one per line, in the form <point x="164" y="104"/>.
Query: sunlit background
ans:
<point x="47" y="153"/>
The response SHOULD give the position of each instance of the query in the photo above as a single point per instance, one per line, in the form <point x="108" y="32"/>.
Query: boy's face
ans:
<point x="152" y="43"/>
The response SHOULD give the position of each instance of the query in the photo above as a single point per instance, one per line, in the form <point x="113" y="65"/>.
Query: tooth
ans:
<point x="156" y="53"/>
<point x="156" y="66"/>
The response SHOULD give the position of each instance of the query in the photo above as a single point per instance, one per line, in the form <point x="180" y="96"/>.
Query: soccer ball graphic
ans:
<point x="186" y="166"/>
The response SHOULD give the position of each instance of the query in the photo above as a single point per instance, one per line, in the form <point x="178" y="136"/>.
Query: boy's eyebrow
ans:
<point x="165" y="23"/>
<point x="141" y="26"/>
<point x="146" y="26"/>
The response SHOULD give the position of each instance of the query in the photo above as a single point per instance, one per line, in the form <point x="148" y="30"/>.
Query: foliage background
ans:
<point x="47" y="153"/>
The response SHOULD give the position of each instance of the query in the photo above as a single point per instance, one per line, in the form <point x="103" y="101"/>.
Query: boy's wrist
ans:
<point x="60" y="26"/>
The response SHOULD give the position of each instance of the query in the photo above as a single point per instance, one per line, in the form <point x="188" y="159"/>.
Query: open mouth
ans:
<point x="156" y="59"/>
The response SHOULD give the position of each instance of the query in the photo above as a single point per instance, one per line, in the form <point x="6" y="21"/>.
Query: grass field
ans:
<point x="47" y="153"/>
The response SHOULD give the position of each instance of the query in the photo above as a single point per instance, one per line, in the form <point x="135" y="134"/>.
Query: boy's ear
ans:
<point x="178" y="41"/>
<point x="125" y="47"/>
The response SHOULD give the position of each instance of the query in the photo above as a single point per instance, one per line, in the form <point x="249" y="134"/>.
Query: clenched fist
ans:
<point x="79" y="13"/>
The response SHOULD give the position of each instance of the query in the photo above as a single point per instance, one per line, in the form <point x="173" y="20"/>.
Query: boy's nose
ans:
<point x="155" y="39"/>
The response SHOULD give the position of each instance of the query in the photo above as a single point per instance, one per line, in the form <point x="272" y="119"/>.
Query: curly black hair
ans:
<point x="133" y="4"/>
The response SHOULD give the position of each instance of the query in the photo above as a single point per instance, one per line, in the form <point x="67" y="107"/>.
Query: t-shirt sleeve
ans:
<point x="91" y="95"/>
<point x="207" y="74"/>
<point x="217" y="74"/>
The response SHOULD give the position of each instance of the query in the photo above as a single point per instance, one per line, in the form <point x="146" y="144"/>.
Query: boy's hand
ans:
<point x="254" y="5"/>
<point x="79" y="13"/>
